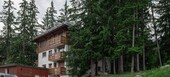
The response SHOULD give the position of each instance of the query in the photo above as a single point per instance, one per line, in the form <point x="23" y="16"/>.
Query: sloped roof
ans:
<point x="51" y="30"/>
<point x="15" y="65"/>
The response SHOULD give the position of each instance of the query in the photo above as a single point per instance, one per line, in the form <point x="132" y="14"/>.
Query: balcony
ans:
<point x="61" y="41"/>
<point x="51" y="71"/>
<point x="57" y="71"/>
<point x="56" y="56"/>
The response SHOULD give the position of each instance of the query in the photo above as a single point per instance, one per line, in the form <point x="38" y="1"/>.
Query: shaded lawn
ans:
<point x="157" y="72"/>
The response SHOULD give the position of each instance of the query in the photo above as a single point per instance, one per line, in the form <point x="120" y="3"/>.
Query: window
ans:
<point x="55" y="64"/>
<point x="44" y="66"/>
<point x="61" y="49"/>
<point x="44" y="54"/>
<point x="50" y="65"/>
<point x="50" y="52"/>
<point x="43" y="43"/>
<point x="55" y="50"/>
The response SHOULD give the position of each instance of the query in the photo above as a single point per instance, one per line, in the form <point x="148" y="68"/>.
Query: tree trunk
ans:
<point x="92" y="68"/>
<point x="132" y="65"/>
<point x="159" y="54"/>
<point x="121" y="70"/>
<point x="111" y="67"/>
<point x="137" y="62"/>
<point x="7" y="46"/>
<point x="143" y="49"/>
<point x="156" y="38"/>
<point x="114" y="67"/>
<point x="137" y="35"/>
<point x="103" y="65"/>
<point x="96" y="68"/>
<point x="133" y="44"/>
<point x="144" y="67"/>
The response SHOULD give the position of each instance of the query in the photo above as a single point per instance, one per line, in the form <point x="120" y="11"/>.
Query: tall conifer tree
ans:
<point x="26" y="31"/>
<point x="50" y="19"/>
<point x="7" y="18"/>
<point x="33" y="22"/>
<point x="64" y="15"/>
<point x="163" y="10"/>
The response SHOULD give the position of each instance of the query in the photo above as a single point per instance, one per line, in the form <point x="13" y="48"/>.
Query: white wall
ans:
<point x="44" y="60"/>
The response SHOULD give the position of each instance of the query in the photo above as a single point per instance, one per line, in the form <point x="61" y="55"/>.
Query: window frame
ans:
<point x="44" y="66"/>
<point x="50" y="52"/>
<point x="44" y="54"/>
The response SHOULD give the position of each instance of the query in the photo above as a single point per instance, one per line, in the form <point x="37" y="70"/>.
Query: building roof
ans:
<point x="15" y="65"/>
<point x="51" y="30"/>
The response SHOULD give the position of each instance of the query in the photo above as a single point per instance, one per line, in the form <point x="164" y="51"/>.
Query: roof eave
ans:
<point x="49" y="31"/>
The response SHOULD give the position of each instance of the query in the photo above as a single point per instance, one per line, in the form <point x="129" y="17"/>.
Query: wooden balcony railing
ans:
<point x="57" y="71"/>
<point x="56" y="56"/>
<point x="62" y="41"/>
<point x="59" y="41"/>
<point x="51" y="71"/>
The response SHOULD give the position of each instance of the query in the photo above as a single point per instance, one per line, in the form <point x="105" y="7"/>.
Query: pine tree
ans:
<point x="64" y="14"/>
<point x="164" y="25"/>
<point x="33" y="22"/>
<point x="2" y="48"/>
<point x="50" y="19"/>
<point x="7" y="18"/>
<point x="76" y="45"/>
<point x="33" y="30"/>
<point x="26" y="28"/>
<point x="156" y="34"/>
<point x="119" y="34"/>
<point x="45" y="21"/>
<point x="96" y="31"/>
<point x="108" y="32"/>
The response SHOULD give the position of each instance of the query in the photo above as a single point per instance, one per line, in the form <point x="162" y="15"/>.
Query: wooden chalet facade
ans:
<point x="51" y="47"/>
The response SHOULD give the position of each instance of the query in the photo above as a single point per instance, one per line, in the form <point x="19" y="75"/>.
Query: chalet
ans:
<point x="51" y="46"/>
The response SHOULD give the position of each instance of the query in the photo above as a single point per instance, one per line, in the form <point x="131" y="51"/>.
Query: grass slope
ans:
<point x="164" y="71"/>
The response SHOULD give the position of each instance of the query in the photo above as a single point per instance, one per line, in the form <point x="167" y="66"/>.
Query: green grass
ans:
<point x="119" y="75"/>
<point x="157" y="72"/>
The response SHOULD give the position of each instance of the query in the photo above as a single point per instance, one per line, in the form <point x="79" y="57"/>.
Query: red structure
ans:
<point x="24" y="71"/>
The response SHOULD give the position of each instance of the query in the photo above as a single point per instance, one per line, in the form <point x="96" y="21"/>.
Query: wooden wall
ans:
<point x="22" y="71"/>
<point x="52" y="41"/>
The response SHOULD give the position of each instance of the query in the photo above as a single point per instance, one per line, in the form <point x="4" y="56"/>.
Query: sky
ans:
<point x="41" y="4"/>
